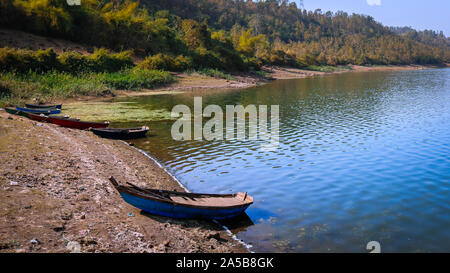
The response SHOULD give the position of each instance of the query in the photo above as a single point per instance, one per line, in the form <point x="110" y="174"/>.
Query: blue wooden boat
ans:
<point x="184" y="205"/>
<point x="47" y="111"/>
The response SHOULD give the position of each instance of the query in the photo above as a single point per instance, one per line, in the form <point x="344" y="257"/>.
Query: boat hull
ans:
<point x="37" y="106"/>
<point x="15" y="112"/>
<point x="37" y="117"/>
<point x="180" y="211"/>
<point x="120" y="133"/>
<point x="46" y="111"/>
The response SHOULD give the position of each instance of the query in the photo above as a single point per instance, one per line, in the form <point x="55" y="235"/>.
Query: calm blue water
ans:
<point x="362" y="157"/>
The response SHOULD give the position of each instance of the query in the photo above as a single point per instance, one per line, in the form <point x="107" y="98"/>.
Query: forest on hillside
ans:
<point x="231" y="35"/>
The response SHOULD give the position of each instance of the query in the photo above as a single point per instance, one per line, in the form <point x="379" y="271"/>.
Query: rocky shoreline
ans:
<point x="56" y="196"/>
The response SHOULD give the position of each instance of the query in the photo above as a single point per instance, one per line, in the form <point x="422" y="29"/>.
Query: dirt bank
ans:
<point x="281" y="73"/>
<point x="55" y="194"/>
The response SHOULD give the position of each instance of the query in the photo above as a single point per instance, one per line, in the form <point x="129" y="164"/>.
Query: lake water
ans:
<point x="362" y="157"/>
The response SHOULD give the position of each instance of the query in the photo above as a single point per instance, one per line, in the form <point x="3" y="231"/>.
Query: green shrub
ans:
<point x="22" y="60"/>
<point x="4" y="91"/>
<point x="182" y="63"/>
<point x="46" y="59"/>
<point x="7" y="59"/>
<point x="137" y="78"/>
<point x="74" y="61"/>
<point x="165" y="62"/>
<point x="159" y="61"/>
<point x="215" y="73"/>
<point x="103" y="60"/>
<point x="204" y="58"/>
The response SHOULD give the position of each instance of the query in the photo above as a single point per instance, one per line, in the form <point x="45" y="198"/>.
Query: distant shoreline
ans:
<point x="188" y="82"/>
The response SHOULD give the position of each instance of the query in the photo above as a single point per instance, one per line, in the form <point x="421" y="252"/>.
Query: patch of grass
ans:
<point x="136" y="79"/>
<point x="261" y="73"/>
<point x="215" y="73"/>
<point x="327" y="68"/>
<point x="56" y="85"/>
<point x="48" y="86"/>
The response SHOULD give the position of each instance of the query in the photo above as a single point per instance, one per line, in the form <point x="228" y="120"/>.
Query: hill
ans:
<point x="225" y="34"/>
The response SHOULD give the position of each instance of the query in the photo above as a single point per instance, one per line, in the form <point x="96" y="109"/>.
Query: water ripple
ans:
<point x="362" y="157"/>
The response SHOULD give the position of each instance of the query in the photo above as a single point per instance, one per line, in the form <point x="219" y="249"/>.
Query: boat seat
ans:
<point x="208" y="201"/>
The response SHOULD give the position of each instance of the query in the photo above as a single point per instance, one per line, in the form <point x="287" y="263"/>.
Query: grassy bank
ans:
<point x="327" y="68"/>
<point x="44" y="75"/>
<point x="16" y="88"/>
<point x="215" y="73"/>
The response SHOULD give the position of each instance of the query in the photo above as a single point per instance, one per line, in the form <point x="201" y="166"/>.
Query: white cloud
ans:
<point x="374" y="2"/>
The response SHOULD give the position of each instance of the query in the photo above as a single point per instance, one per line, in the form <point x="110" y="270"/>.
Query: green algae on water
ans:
<point x="114" y="112"/>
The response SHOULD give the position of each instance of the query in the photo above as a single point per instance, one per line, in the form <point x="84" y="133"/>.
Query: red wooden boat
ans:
<point x="42" y="117"/>
<point x="36" y="117"/>
<point x="76" y="123"/>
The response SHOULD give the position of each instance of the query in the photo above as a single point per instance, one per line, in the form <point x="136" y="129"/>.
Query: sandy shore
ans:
<point x="282" y="73"/>
<point x="56" y="196"/>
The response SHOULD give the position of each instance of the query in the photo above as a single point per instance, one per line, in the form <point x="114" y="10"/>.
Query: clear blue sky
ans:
<point x="420" y="15"/>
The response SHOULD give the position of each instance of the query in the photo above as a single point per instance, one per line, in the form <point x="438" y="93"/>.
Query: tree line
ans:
<point x="231" y="35"/>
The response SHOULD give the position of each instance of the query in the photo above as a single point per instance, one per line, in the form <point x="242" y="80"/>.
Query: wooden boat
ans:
<point x="42" y="117"/>
<point x="121" y="133"/>
<point x="15" y="112"/>
<point x="184" y="205"/>
<point x="76" y="123"/>
<point x="50" y="111"/>
<point x="40" y="106"/>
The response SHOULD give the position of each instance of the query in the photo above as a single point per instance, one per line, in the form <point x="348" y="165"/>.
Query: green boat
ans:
<point x="14" y="111"/>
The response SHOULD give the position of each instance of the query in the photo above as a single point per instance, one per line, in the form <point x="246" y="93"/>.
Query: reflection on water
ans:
<point x="362" y="157"/>
<point x="238" y="223"/>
